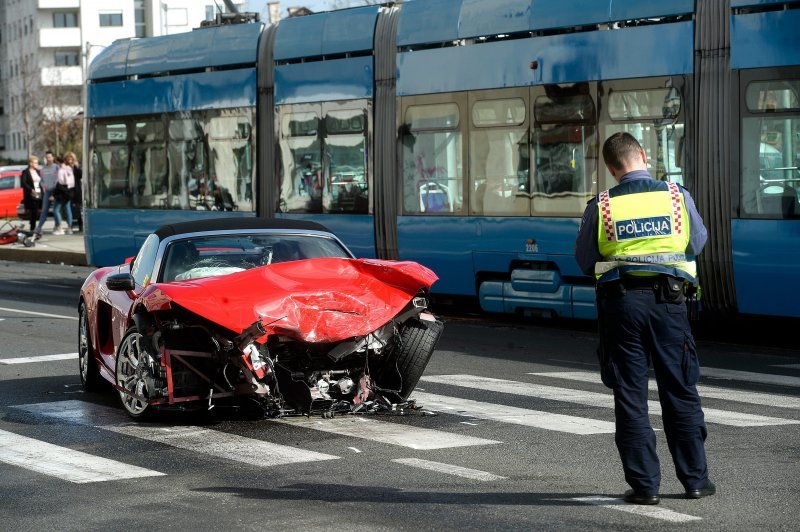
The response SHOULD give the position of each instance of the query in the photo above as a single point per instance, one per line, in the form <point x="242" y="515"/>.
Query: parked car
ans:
<point x="275" y="311"/>
<point x="10" y="190"/>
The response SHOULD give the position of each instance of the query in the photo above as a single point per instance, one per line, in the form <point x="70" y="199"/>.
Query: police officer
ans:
<point x="639" y="239"/>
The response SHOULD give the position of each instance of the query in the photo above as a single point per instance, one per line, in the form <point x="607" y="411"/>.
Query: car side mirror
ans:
<point x="120" y="282"/>
<point x="129" y="260"/>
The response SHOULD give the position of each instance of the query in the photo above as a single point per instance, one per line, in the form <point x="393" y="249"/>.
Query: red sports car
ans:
<point x="275" y="311"/>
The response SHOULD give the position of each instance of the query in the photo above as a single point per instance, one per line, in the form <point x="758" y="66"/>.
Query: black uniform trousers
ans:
<point x="638" y="327"/>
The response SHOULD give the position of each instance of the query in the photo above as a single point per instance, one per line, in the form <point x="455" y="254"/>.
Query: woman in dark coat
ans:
<point x="77" y="195"/>
<point x="32" y="190"/>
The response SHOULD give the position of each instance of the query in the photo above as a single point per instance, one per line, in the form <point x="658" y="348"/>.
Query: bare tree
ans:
<point x="61" y="128"/>
<point x="24" y="89"/>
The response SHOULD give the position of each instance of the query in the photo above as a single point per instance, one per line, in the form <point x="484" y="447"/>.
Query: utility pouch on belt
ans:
<point x="670" y="290"/>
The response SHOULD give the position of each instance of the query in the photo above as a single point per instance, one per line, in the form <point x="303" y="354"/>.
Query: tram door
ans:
<point x="324" y="157"/>
<point x="766" y="231"/>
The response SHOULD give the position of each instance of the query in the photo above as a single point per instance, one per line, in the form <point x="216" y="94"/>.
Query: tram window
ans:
<point x="651" y="116"/>
<point x="346" y="187"/>
<point x="148" y="169"/>
<point x="645" y="103"/>
<point x="499" y="162"/>
<point x="301" y="163"/>
<point x="773" y="96"/>
<point x="109" y="164"/>
<point x="663" y="146"/>
<point x="770" y="151"/>
<point x="507" y="112"/>
<point x="565" y="154"/>
<point x="230" y="149"/>
<point x="187" y="162"/>
<point x="432" y="160"/>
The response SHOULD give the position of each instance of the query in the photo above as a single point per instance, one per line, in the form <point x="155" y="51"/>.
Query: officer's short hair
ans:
<point x="620" y="148"/>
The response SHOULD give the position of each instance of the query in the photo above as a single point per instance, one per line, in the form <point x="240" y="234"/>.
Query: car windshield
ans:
<point x="207" y="256"/>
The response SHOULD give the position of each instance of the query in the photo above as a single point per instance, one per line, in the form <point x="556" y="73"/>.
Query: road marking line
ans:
<point x="516" y="416"/>
<point x="196" y="439"/>
<point x="713" y="392"/>
<point x="665" y="514"/>
<point x="44" y="314"/>
<point x="40" y="358"/>
<point x="474" y="474"/>
<point x="601" y="400"/>
<point x="63" y="462"/>
<point x="790" y="366"/>
<point x="258" y="453"/>
<point x="748" y="376"/>
<point x="384" y="432"/>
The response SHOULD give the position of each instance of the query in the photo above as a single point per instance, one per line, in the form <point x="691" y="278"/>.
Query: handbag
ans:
<point x="63" y="192"/>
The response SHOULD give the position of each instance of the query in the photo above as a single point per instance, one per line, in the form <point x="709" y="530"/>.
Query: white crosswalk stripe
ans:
<point x="196" y="439"/>
<point x="663" y="514"/>
<point x="790" y="366"/>
<point x="513" y="415"/>
<point x="602" y="400"/>
<point x="63" y="462"/>
<point x="749" y="376"/>
<point x="39" y="358"/>
<point x="712" y="392"/>
<point x="387" y="432"/>
<point x="464" y="472"/>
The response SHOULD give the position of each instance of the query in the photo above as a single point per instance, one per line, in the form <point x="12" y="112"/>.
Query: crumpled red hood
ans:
<point x="315" y="300"/>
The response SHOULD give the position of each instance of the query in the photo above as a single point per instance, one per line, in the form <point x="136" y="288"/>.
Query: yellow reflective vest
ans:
<point x="644" y="233"/>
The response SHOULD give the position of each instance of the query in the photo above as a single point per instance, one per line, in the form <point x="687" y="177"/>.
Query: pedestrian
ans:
<point x="639" y="240"/>
<point x="77" y="196"/>
<point x="65" y="187"/>
<point x="49" y="173"/>
<point x="32" y="190"/>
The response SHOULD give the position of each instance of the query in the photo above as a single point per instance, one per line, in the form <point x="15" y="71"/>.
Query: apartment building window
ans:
<point x="211" y="12"/>
<point x="2" y="141"/>
<point x="110" y="19"/>
<point x="66" y="58"/>
<point x="141" y="26"/>
<point x="65" y="19"/>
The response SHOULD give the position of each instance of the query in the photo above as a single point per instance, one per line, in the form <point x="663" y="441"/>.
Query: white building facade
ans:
<point x="46" y="45"/>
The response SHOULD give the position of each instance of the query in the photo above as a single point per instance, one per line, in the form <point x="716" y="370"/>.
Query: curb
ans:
<point x="70" y="258"/>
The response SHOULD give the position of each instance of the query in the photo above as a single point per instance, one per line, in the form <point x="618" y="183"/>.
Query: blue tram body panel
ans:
<point x="168" y="94"/>
<point x="124" y="230"/>
<point x="199" y="49"/>
<point x="766" y="39"/>
<point x="439" y="21"/>
<point x="562" y="59"/>
<point x="767" y="250"/>
<point x="332" y="33"/>
<point x="355" y="230"/>
<point x="510" y="264"/>
<point x="339" y="79"/>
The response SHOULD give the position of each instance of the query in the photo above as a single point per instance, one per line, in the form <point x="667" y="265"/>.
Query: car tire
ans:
<point x="87" y="365"/>
<point x="418" y="340"/>
<point x="129" y="356"/>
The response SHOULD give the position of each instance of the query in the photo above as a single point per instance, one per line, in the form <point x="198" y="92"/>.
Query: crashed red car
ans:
<point x="277" y="312"/>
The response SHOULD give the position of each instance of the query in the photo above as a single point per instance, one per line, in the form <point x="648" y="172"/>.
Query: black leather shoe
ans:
<point x="637" y="498"/>
<point x="708" y="489"/>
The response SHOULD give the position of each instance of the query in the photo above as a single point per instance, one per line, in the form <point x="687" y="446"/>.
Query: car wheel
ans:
<point x="418" y="340"/>
<point x="130" y="374"/>
<point x="87" y="366"/>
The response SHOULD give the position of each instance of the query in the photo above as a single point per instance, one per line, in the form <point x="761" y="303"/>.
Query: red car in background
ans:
<point x="10" y="190"/>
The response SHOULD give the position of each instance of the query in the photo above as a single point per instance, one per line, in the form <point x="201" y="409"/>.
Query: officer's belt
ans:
<point x="626" y="260"/>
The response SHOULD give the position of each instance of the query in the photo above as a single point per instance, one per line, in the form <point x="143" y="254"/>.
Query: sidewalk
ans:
<point x="50" y="249"/>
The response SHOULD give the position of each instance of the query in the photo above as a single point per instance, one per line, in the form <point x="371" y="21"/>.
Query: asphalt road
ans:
<point x="532" y="451"/>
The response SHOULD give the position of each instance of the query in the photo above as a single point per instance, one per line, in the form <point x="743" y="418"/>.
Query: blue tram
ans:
<point x="464" y="134"/>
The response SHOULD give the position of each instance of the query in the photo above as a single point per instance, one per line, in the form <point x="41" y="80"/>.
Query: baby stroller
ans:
<point x="10" y="233"/>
